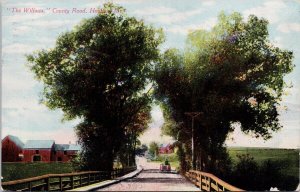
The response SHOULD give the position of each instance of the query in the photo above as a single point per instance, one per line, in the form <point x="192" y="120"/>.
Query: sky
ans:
<point x="24" y="32"/>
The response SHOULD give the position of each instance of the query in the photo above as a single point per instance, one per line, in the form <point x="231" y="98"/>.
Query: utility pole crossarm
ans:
<point x="193" y="114"/>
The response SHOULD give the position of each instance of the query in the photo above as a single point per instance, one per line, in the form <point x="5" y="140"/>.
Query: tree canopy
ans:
<point x="233" y="74"/>
<point x="98" y="72"/>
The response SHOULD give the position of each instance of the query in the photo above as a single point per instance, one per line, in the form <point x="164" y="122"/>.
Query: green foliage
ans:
<point x="15" y="171"/>
<point x="249" y="175"/>
<point x="153" y="149"/>
<point x="246" y="171"/>
<point x="233" y="74"/>
<point x="290" y="157"/>
<point x="98" y="72"/>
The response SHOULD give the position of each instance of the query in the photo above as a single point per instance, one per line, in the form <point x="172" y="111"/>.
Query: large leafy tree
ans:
<point x="234" y="75"/>
<point x="98" y="72"/>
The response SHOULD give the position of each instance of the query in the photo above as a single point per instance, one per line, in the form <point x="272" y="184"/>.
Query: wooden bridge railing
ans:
<point x="209" y="182"/>
<point x="62" y="182"/>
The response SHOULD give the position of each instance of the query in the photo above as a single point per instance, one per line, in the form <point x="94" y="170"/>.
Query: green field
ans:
<point x="290" y="157"/>
<point x="14" y="171"/>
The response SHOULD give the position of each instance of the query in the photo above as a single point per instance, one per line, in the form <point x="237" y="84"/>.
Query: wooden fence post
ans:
<point x="89" y="181"/>
<point x="60" y="183"/>
<point x="72" y="182"/>
<point x="94" y="179"/>
<point x="80" y="180"/>
<point x="200" y="176"/>
<point x="29" y="186"/>
<point x="47" y="184"/>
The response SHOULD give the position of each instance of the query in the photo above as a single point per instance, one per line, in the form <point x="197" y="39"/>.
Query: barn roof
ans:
<point x="39" y="144"/>
<point x="16" y="140"/>
<point x="60" y="147"/>
<point x="67" y="147"/>
<point x="73" y="147"/>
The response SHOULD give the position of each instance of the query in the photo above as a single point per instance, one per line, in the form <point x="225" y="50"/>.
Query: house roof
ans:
<point x="73" y="147"/>
<point x="39" y="144"/>
<point x="67" y="147"/>
<point x="16" y="140"/>
<point x="164" y="145"/>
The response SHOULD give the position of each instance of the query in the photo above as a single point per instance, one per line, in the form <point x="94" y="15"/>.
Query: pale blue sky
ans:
<point x="23" y="116"/>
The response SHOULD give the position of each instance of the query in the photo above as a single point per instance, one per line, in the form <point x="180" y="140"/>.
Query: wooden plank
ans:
<point x="214" y="186"/>
<point x="45" y="176"/>
<point x="205" y="181"/>
<point x="206" y="176"/>
<point x="205" y="188"/>
<point x="80" y="180"/>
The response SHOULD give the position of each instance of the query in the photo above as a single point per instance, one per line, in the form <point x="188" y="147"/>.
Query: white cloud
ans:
<point x="17" y="81"/>
<point x="292" y="94"/>
<point x="21" y="18"/>
<point x="208" y="2"/>
<point x="167" y="15"/>
<point x="289" y="27"/>
<point x="154" y="11"/>
<point x="269" y="10"/>
<point x="98" y="3"/>
<point x="288" y="137"/>
<point x="24" y="4"/>
<point x="52" y="24"/>
<point x="23" y="103"/>
<point x="21" y="30"/>
<point x="31" y="121"/>
<point x="184" y="30"/>
<point x="18" y="48"/>
<point x="62" y="135"/>
<point x="209" y="23"/>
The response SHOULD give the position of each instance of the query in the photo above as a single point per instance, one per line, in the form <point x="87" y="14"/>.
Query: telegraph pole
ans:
<point x="193" y="115"/>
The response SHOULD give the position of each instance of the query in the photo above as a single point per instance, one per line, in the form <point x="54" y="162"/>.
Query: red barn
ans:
<point x="12" y="148"/>
<point x="166" y="149"/>
<point x="65" y="152"/>
<point x="39" y="150"/>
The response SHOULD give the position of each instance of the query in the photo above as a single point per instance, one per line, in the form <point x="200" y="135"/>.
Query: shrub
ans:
<point x="248" y="175"/>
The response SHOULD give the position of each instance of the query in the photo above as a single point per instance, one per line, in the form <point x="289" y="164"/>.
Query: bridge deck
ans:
<point x="153" y="180"/>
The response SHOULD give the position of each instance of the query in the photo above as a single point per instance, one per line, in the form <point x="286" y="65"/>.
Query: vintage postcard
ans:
<point x="149" y="95"/>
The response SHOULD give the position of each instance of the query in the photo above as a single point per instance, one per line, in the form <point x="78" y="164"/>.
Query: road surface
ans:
<point x="150" y="179"/>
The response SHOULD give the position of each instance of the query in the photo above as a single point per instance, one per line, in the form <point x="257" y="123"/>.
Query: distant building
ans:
<point x="65" y="152"/>
<point x="12" y="148"/>
<point x="166" y="149"/>
<point x="39" y="150"/>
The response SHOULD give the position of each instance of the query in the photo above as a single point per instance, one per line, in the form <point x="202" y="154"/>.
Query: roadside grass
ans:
<point x="15" y="171"/>
<point x="288" y="157"/>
